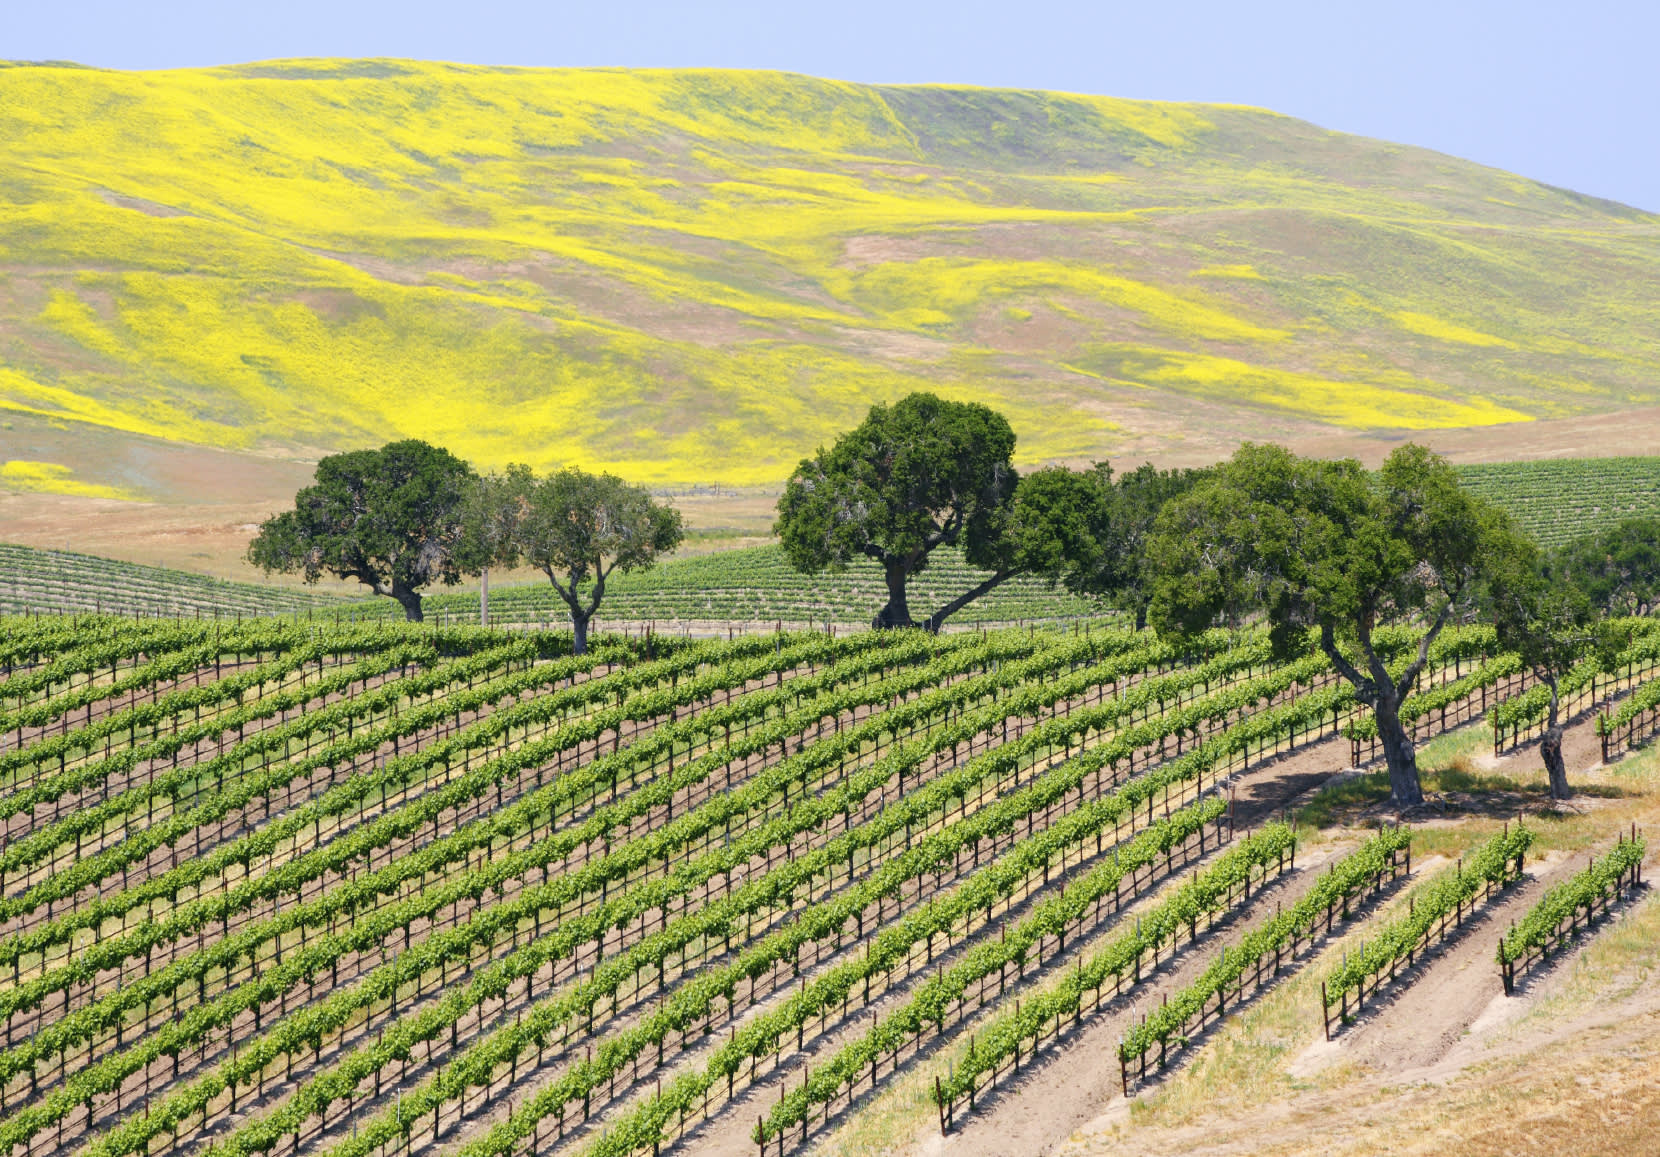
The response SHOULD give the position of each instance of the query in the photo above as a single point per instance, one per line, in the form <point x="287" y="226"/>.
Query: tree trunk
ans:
<point x="1141" y="617"/>
<point x="897" y="612"/>
<point x="937" y="620"/>
<point x="1404" y="788"/>
<point x="1550" y="749"/>
<point x="410" y="601"/>
<point x="581" y="615"/>
<point x="1384" y="694"/>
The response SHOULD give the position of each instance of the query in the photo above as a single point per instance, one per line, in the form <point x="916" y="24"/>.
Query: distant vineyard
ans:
<point x="1556" y="500"/>
<point x="53" y="580"/>
<point x="1553" y="500"/>
<point x="757" y="585"/>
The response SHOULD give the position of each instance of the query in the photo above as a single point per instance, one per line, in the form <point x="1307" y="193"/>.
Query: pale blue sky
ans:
<point x="1564" y="93"/>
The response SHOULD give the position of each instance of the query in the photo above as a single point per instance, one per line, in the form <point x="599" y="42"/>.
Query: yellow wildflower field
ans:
<point x="696" y="275"/>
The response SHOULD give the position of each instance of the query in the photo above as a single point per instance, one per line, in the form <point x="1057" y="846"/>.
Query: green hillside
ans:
<point x="700" y="276"/>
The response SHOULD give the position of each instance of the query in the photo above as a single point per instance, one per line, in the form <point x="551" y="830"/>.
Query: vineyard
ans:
<point x="282" y="886"/>
<point x="61" y="581"/>
<point x="757" y="585"/>
<point x="1555" y="500"/>
<point x="752" y="586"/>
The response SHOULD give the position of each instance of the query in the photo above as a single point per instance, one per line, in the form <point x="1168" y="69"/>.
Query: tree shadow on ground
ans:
<point x="1455" y="791"/>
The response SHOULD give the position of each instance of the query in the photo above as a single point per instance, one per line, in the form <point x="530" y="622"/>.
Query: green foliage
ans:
<point x="1190" y="903"/>
<point x="479" y="810"/>
<point x="1558" y="500"/>
<point x="233" y="791"/>
<point x="1614" y="644"/>
<point x="1167" y="921"/>
<point x="1133" y="501"/>
<point x="1324" y="546"/>
<point x="627" y="860"/>
<point x="1495" y="863"/>
<point x="912" y="477"/>
<point x="1617" y="569"/>
<point x="1351" y="876"/>
<point x="575" y="527"/>
<point x="1059" y="527"/>
<point x="1055" y="529"/>
<point x="62" y="582"/>
<point x="1538" y="929"/>
<point x="890" y="948"/>
<point x="929" y="475"/>
<point x="757" y="585"/>
<point x="1548" y="625"/>
<point x="1645" y="698"/>
<point x="389" y="518"/>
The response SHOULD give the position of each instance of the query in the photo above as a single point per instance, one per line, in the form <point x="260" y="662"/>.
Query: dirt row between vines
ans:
<point x="1446" y="1036"/>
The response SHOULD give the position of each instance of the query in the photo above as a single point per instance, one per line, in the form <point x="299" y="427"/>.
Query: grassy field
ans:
<point x="700" y="276"/>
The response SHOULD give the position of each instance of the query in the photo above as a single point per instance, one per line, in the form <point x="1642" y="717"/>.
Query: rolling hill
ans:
<point x="700" y="276"/>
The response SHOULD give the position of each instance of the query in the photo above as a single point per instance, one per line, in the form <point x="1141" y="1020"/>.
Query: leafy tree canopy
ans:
<point x="1056" y="526"/>
<point x="575" y="527"/>
<point x="912" y="477"/>
<point x="1324" y="549"/>
<point x="1618" y="568"/>
<point x="1131" y="504"/>
<point x="390" y="518"/>
<point x="926" y="473"/>
<point x="1549" y="624"/>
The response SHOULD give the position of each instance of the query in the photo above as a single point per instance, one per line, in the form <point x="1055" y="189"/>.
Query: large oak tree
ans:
<point x="912" y="477"/>
<point x="1129" y="508"/>
<point x="1617" y="568"/>
<point x="926" y="473"/>
<point x="1324" y="547"/>
<point x="390" y="518"/>
<point x="1056" y="527"/>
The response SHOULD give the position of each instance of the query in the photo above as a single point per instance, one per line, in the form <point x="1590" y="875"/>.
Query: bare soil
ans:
<point x="1612" y="434"/>
<point x="1443" y="1063"/>
<point x="1058" y="1096"/>
<point x="1030" y="1112"/>
<point x="1417" y="1023"/>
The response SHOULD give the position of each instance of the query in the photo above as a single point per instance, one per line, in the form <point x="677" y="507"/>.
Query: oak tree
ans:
<point x="1323" y="550"/>
<point x="926" y="473"/>
<point x="1551" y="626"/>
<point x="575" y="527"/>
<point x="1056" y="527"/>
<point x="911" y="478"/>
<point x="1617" y="568"/>
<point x="1130" y="504"/>
<point x="389" y="518"/>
